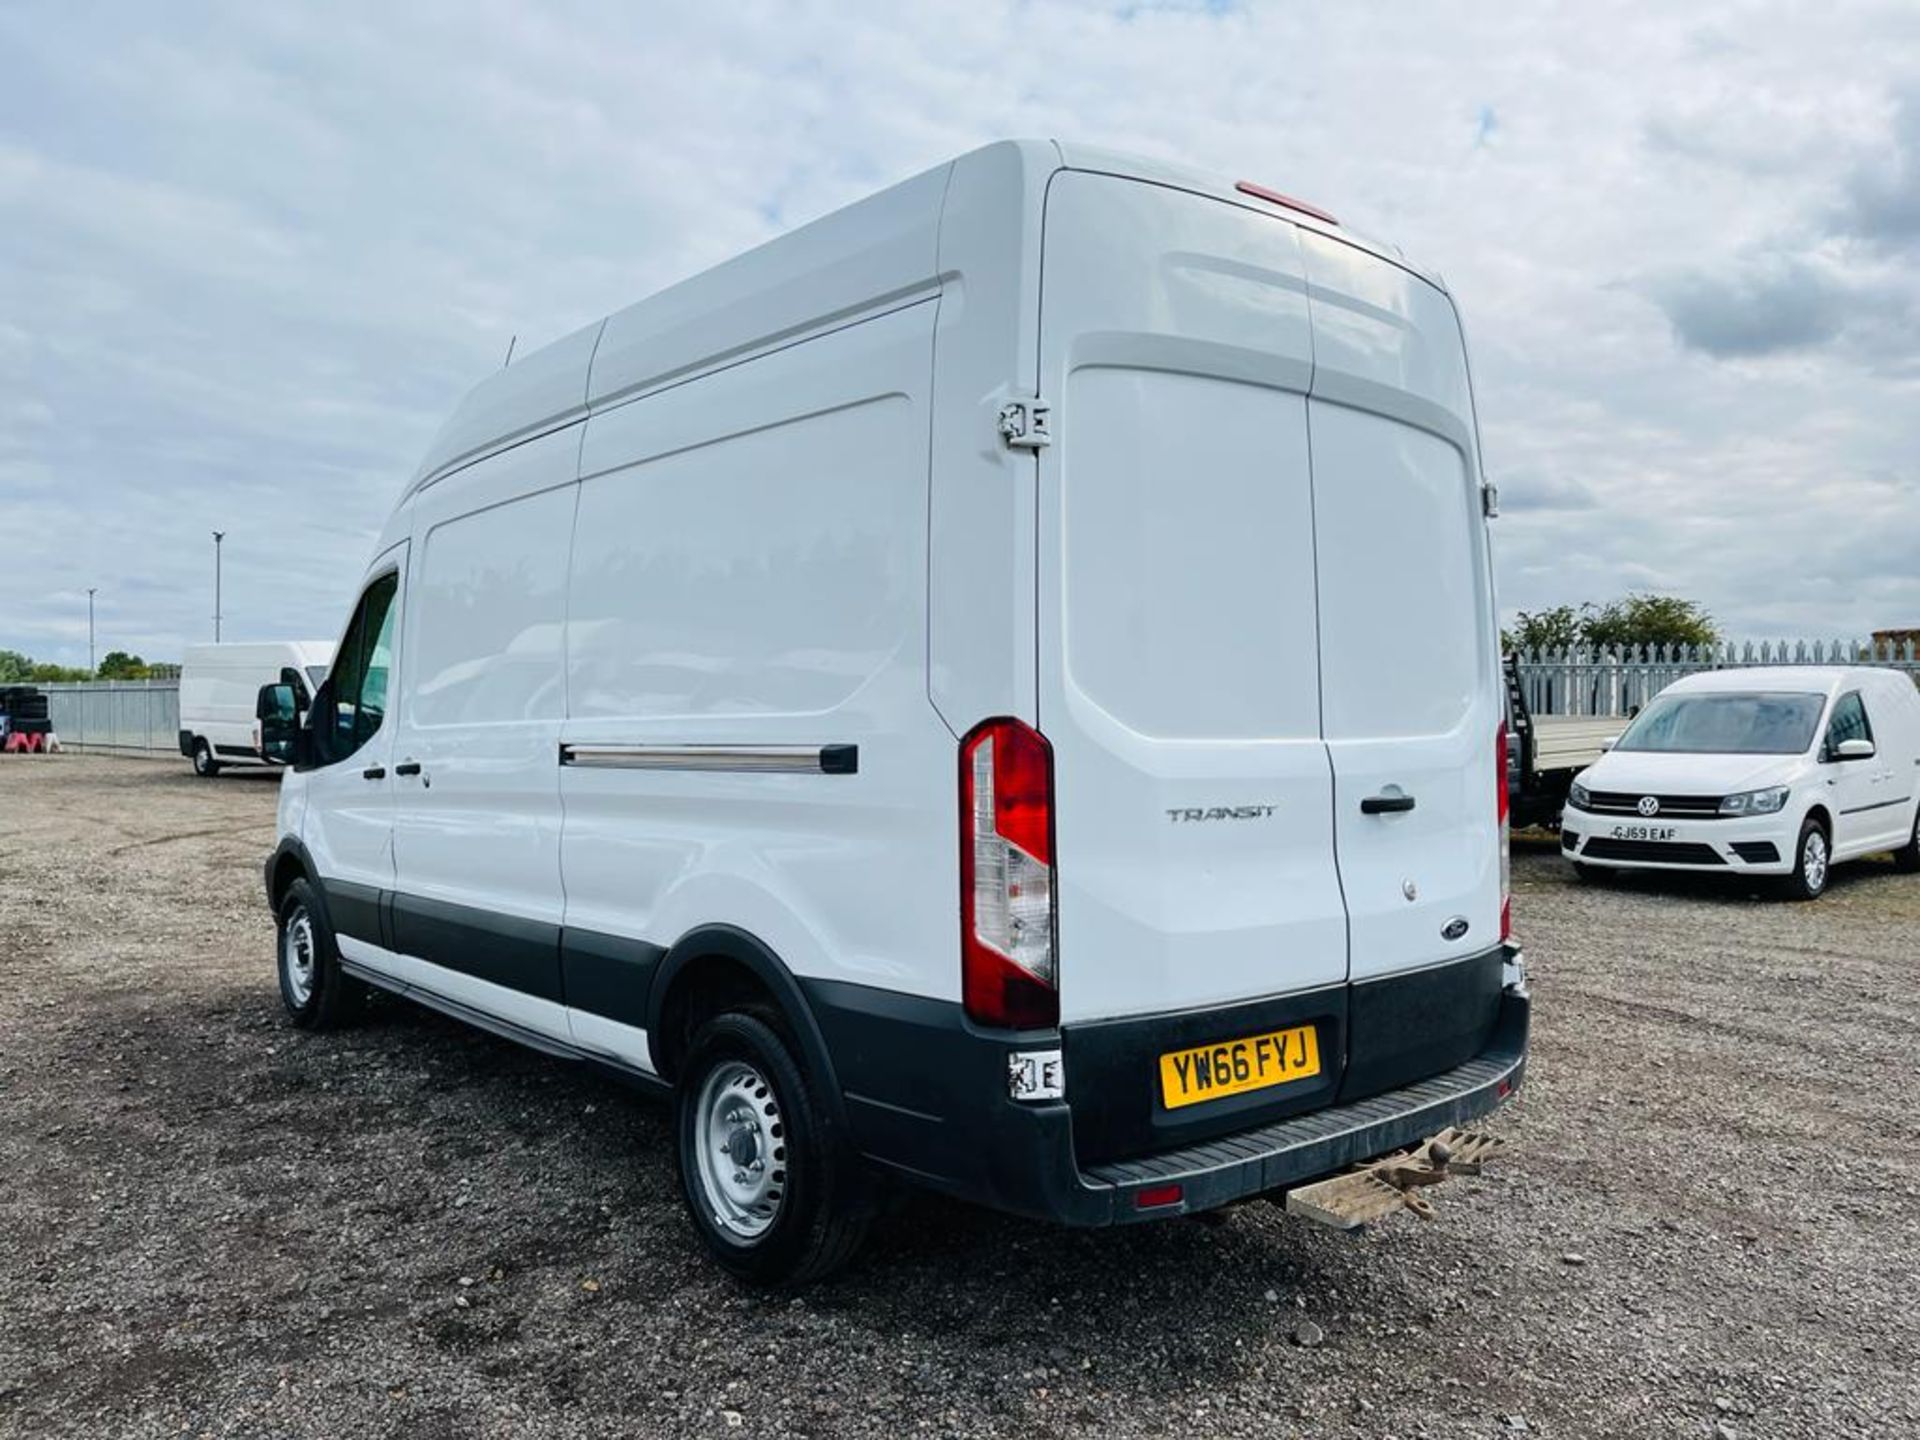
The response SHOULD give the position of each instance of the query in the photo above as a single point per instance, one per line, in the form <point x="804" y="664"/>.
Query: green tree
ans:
<point x="14" y="667"/>
<point x="1646" y="620"/>
<point x="119" y="665"/>
<point x="1560" y="628"/>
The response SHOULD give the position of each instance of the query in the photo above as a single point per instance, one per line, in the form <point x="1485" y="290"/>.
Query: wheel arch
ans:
<point x="716" y="959"/>
<point x="288" y="863"/>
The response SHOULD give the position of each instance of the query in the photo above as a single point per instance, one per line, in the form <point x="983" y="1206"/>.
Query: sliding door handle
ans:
<point x="407" y="767"/>
<point x="374" y="772"/>
<point x="1386" y="804"/>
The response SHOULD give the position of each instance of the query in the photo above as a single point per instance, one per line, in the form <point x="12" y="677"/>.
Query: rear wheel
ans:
<point x="318" y="994"/>
<point x="1813" y="858"/>
<point x="203" y="762"/>
<point x="1907" y="857"/>
<point x="765" y="1177"/>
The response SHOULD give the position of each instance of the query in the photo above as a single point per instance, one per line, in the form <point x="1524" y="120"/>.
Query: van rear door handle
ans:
<point x="374" y="772"/>
<point x="407" y="767"/>
<point x="1385" y="804"/>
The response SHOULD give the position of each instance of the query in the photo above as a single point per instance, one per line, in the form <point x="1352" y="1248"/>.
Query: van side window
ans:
<point x="1849" y="722"/>
<point x="360" y="671"/>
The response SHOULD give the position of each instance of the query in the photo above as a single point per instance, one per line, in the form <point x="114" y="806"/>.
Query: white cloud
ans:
<point x="253" y="254"/>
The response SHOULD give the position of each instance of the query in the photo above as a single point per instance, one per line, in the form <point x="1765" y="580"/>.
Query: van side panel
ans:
<point x="748" y="584"/>
<point x="982" y="496"/>
<point x="477" y="827"/>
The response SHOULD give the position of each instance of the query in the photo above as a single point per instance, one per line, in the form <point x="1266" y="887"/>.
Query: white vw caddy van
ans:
<point x="1779" y="771"/>
<point x="996" y="689"/>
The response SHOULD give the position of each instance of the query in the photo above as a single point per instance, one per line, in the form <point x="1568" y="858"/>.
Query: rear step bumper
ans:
<point x="952" y="1127"/>
<point x="1308" y="1147"/>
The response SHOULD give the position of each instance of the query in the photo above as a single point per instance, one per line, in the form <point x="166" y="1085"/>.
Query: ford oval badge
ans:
<point x="1454" y="928"/>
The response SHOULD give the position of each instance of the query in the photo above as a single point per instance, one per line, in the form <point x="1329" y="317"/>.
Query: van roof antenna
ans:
<point x="510" y="343"/>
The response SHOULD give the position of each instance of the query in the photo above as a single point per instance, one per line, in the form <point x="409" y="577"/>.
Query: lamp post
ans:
<point x="218" y="536"/>
<point x="92" y="669"/>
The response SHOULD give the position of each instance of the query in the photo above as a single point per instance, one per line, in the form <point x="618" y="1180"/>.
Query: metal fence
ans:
<point x="141" y="715"/>
<point x="1619" y="682"/>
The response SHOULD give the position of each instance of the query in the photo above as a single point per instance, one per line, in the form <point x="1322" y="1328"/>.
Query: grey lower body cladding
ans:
<point x="927" y="1096"/>
<point x="925" y="1092"/>
<point x="604" y="975"/>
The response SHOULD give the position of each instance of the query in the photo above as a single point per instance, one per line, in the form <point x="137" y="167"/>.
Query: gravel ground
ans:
<point x="1705" y="1224"/>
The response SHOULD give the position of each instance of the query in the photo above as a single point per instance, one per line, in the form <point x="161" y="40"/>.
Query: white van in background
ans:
<point x="915" y="694"/>
<point x="1778" y="771"/>
<point x="220" y="687"/>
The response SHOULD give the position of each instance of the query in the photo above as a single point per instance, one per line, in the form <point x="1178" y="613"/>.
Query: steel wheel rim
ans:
<point x="1813" y="860"/>
<point x="297" y="956"/>
<point x="740" y="1149"/>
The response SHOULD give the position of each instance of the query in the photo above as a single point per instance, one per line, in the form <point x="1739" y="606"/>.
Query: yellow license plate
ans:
<point x="1233" y="1067"/>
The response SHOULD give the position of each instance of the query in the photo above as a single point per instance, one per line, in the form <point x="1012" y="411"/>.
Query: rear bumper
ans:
<point x="958" y="1131"/>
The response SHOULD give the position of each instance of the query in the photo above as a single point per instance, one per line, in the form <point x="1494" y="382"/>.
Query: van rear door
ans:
<point x="1410" y="698"/>
<point x="1409" y="689"/>
<point x="1179" y="669"/>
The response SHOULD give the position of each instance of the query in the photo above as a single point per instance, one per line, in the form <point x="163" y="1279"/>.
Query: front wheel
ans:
<point x="204" y="765"/>
<point x="1591" y="874"/>
<point x="318" y="994"/>
<point x="1813" y="859"/>
<point x="765" y="1178"/>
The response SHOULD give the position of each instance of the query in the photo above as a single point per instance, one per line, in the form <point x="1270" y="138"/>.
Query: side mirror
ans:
<point x="1854" y="750"/>
<point x="277" y="709"/>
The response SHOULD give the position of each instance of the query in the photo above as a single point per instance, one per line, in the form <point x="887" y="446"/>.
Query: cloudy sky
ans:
<point x="250" y="256"/>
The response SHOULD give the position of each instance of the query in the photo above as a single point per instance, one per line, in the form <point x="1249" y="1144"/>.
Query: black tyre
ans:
<point x="766" y="1177"/>
<point x="1907" y="857"/>
<point x="1591" y="874"/>
<point x="203" y="762"/>
<point x="318" y="994"/>
<point x="1812" y="863"/>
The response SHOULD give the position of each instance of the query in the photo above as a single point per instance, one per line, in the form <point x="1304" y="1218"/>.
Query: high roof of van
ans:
<point x="878" y="251"/>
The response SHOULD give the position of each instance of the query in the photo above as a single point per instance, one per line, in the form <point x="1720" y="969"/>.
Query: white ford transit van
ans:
<point x="996" y="689"/>
<point x="219" y="690"/>
<point x="1779" y="771"/>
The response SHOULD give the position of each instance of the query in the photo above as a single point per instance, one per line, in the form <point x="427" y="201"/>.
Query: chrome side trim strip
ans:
<point x="759" y="759"/>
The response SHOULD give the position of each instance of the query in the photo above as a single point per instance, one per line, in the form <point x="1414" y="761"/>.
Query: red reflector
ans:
<point x="1501" y="799"/>
<point x="1154" y="1196"/>
<point x="1261" y="192"/>
<point x="1504" y="1089"/>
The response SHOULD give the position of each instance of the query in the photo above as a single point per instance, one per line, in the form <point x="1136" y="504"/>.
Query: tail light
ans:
<point x="1506" y="833"/>
<point x="1009" y="969"/>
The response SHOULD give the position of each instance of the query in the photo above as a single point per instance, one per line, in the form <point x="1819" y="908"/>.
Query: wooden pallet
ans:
<point x="1392" y="1183"/>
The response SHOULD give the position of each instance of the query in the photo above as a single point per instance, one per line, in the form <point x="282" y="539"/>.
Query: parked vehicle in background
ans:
<point x="1545" y="752"/>
<point x="914" y="733"/>
<point x="220" y="689"/>
<point x="1779" y="771"/>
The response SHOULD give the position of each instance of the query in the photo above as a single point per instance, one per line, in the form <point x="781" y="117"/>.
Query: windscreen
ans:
<point x="1734" y="723"/>
<point x="317" y="675"/>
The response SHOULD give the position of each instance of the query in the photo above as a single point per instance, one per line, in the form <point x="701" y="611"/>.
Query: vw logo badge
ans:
<point x="1649" y="805"/>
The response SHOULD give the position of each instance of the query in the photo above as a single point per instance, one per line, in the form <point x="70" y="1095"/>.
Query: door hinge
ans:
<point x="1026" y="424"/>
<point x="1489" y="499"/>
